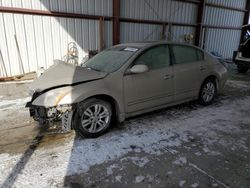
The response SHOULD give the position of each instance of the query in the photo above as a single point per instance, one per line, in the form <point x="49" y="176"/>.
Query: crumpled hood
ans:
<point x="64" y="74"/>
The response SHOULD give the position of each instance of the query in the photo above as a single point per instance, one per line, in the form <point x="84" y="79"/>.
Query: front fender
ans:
<point x="99" y="88"/>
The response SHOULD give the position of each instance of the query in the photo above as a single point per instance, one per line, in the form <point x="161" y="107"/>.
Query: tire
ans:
<point x="208" y="92"/>
<point x="242" y="69"/>
<point x="92" y="118"/>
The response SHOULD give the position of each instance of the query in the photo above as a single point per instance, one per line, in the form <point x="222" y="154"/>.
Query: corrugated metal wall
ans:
<point x="230" y="3"/>
<point x="163" y="10"/>
<point x="131" y="32"/>
<point x="159" y="10"/>
<point x="223" y="41"/>
<point x="218" y="40"/>
<point x="42" y="39"/>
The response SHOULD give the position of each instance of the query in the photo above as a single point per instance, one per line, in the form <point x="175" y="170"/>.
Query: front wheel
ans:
<point x="93" y="118"/>
<point x="208" y="92"/>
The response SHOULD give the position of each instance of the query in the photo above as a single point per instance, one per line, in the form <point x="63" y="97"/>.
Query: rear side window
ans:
<point x="186" y="54"/>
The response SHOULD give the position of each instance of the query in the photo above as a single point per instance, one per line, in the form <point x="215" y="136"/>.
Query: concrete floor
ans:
<point x="183" y="146"/>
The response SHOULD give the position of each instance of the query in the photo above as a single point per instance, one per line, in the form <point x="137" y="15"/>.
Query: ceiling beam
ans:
<point x="51" y="13"/>
<point x="155" y="22"/>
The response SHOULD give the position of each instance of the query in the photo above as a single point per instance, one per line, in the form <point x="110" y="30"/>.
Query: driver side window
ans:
<point x="155" y="58"/>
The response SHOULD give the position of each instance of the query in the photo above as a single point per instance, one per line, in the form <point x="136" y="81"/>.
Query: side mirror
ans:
<point x="137" y="69"/>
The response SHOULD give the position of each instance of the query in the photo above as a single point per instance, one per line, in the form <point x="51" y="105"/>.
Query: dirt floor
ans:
<point x="184" y="146"/>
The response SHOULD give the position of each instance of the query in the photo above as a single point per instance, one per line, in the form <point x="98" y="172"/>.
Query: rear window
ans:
<point x="187" y="54"/>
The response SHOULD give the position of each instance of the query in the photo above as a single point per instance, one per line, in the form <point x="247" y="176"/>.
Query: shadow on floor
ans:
<point x="17" y="169"/>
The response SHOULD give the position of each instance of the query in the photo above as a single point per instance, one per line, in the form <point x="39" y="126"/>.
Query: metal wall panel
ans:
<point x="230" y="3"/>
<point x="165" y="10"/>
<point x="132" y="32"/>
<point x="223" y="17"/>
<point x="93" y="7"/>
<point x="222" y="41"/>
<point x="42" y="39"/>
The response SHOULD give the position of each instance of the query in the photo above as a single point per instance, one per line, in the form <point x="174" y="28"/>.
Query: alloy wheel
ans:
<point x="95" y="118"/>
<point x="208" y="92"/>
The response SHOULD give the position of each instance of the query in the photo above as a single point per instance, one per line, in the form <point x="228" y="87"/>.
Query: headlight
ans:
<point x="60" y="97"/>
<point x="54" y="97"/>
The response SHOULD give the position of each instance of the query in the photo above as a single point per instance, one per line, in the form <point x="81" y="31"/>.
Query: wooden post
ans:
<point x="200" y="16"/>
<point x="101" y="30"/>
<point x="163" y="36"/>
<point x="116" y="22"/>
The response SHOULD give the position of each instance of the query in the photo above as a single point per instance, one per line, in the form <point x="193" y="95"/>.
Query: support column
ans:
<point x="116" y="22"/>
<point x="101" y="34"/>
<point x="200" y="18"/>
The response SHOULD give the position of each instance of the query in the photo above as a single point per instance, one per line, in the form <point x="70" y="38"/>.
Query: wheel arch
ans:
<point x="213" y="77"/>
<point x="113" y="102"/>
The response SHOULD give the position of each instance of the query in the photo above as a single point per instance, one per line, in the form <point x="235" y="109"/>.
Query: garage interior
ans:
<point x="183" y="146"/>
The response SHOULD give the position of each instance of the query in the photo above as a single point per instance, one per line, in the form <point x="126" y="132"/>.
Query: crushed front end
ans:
<point x="49" y="115"/>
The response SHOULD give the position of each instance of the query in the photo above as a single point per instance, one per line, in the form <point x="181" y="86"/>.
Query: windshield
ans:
<point x="110" y="60"/>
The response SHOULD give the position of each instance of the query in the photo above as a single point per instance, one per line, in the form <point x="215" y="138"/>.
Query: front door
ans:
<point x="152" y="88"/>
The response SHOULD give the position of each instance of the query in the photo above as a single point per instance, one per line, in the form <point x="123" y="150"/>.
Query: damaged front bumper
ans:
<point x="50" y="115"/>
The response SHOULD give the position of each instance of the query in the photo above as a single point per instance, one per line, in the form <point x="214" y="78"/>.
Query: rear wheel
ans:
<point x="208" y="92"/>
<point x="93" y="118"/>
<point x="242" y="69"/>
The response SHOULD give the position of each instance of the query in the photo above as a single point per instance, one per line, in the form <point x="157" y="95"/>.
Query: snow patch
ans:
<point x="180" y="161"/>
<point x="238" y="84"/>
<point x="209" y="152"/>
<point x="118" y="178"/>
<point x="139" y="179"/>
<point x="141" y="162"/>
<point x="110" y="169"/>
<point x="182" y="182"/>
<point x="13" y="104"/>
<point x="170" y="172"/>
<point x="195" y="185"/>
<point x="198" y="153"/>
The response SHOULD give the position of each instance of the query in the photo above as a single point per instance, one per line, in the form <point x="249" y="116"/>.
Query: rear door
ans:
<point x="152" y="88"/>
<point x="189" y="68"/>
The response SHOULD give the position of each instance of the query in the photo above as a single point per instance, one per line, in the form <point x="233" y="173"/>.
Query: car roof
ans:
<point x="145" y="44"/>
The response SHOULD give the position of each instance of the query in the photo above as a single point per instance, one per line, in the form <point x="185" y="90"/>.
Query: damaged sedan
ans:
<point x="124" y="81"/>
